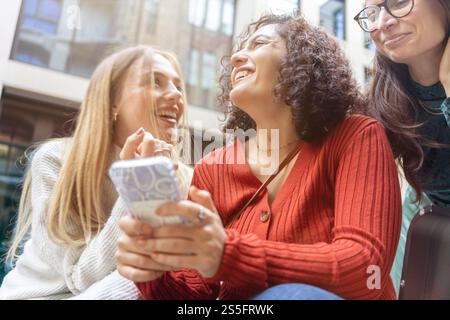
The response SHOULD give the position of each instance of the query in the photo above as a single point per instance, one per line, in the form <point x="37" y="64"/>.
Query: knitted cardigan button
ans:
<point x="265" y="216"/>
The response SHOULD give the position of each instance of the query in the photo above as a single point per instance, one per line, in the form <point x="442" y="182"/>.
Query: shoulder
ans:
<point x="355" y="124"/>
<point x="352" y="127"/>
<point x="356" y="130"/>
<point x="50" y="153"/>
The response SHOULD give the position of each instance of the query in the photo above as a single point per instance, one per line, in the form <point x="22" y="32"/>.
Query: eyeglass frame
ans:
<point x="380" y="5"/>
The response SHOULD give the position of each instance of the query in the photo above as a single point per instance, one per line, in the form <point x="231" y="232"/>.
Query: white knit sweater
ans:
<point x="47" y="270"/>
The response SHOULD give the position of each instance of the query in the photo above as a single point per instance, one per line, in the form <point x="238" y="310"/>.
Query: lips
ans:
<point x="395" y="39"/>
<point x="168" y="115"/>
<point x="241" y="74"/>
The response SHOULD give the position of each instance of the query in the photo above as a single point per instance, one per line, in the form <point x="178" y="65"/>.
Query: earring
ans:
<point x="116" y="115"/>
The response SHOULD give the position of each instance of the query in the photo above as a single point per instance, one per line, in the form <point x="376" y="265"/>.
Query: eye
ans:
<point x="157" y="83"/>
<point x="259" y="43"/>
<point x="399" y="4"/>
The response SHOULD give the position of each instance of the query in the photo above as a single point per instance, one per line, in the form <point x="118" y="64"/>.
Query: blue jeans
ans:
<point x="294" y="291"/>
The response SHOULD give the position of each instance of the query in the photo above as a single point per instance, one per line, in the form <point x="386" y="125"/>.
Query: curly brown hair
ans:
<point x="315" y="79"/>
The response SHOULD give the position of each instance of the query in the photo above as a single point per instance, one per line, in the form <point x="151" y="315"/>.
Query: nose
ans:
<point x="173" y="94"/>
<point x="386" y="20"/>
<point x="238" y="59"/>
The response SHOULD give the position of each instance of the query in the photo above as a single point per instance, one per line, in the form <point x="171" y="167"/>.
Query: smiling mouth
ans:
<point x="168" y="116"/>
<point x="394" y="41"/>
<point x="241" y="75"/>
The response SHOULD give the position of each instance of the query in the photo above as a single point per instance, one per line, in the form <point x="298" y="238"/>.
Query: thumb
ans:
<point x="202" y="197"/>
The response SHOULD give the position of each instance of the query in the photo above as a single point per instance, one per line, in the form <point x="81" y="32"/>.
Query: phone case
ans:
<point x="144" y="185"/>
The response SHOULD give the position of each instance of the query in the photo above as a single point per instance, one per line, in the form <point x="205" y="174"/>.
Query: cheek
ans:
<point x="375" y="36"/>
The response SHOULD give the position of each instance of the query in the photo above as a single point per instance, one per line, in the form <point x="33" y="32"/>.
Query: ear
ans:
<point x="115" y="108"/>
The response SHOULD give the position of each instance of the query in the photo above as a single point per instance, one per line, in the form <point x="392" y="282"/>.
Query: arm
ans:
<point x="80" y="268"/>
<point x="112" y="287"/>
<point x="179" y="285"/>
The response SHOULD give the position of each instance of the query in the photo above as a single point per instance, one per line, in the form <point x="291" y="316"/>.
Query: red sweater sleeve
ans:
<point x="366" y="231"/>
<point x="179" y="285"/>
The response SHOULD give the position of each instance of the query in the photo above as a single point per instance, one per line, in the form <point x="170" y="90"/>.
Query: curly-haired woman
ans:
<point x="410" y="95"/>
<point x="326" y="227"/>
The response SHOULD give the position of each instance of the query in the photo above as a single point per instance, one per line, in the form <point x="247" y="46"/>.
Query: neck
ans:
<point x="425" y="69"/>
<point x="276" y="136"/>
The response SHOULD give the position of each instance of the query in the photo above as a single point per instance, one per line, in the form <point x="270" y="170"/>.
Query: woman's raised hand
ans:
<point x="142" y="144"/>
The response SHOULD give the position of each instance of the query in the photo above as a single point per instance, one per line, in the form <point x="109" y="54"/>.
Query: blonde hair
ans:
<point x="75" y="213"/>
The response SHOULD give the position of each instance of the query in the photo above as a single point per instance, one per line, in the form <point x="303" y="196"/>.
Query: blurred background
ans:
<point x="49" y="49"/>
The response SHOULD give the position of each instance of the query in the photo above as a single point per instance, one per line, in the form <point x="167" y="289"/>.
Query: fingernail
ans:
<point x="140" y="132"/>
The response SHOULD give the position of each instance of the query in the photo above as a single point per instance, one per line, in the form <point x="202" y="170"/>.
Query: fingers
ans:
<point x="202" y="197"/>
<point x="153" y="147"/>
<point x="139" y="261"/>
<point x="131" y="144"/>
<point x="168" y="246"/>
<point x="186" y="209"/>
<point x="175" y="231"/>
<point x="175" y="261"/>
<point x="134" y="228"/>
<point x="148" y="146"/>
<point x="137" y="275"/>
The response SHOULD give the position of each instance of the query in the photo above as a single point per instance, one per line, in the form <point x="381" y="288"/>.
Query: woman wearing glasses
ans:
<point x="410" y="96"/>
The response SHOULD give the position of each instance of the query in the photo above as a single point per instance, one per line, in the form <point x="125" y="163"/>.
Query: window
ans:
<point x="41" y="15"/>
<point x="197" y="10"/>
<point x="332" y="17"/>
<point x="228" y="17"/>
<point x="195" y="30"/>
<point x="194" y="68"/>
<point x="151" y="12"/>
<point x="213" y="15"/>
<point x="209" y="69"/>
<point x="15" y="134"/>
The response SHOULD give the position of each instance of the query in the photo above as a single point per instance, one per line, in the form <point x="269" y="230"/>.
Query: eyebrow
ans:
<point x="254" y="38"/>
<point x="160" y="74"/>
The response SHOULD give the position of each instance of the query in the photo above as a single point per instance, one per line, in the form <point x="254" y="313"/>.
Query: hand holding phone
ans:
<point x="145" y="184"/>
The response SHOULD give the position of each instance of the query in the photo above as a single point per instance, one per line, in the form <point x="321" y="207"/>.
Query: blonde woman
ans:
<point x="69" y="209"/>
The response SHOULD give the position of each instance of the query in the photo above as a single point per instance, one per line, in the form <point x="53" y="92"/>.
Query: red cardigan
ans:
<point x="338" y="213"/>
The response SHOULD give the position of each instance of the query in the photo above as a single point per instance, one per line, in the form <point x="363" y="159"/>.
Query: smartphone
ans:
<point x="144" y="185"/>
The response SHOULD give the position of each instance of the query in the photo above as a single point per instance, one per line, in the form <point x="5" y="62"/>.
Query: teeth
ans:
<point x="168" y="114"/>
<point x="242" y="74"/>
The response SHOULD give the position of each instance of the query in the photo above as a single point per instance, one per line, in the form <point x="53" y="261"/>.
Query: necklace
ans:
<point x="280" y="148"/>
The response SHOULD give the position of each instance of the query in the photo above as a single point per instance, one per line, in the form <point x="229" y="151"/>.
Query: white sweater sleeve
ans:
<point x="81" y="268"/>
<point x="112" y="287"/>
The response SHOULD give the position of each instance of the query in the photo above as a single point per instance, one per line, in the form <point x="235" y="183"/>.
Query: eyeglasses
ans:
<point x="368" y="17"/>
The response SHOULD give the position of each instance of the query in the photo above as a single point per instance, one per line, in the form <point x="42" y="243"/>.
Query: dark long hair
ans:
<point x="315" y="79"/>
<point x="392" y="101"/>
